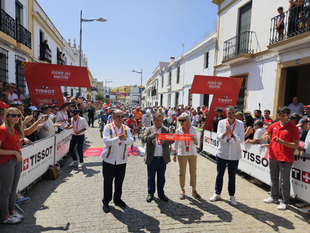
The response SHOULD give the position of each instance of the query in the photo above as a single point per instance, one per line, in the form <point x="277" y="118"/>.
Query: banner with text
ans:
<point x="62" y="142"/>
<point x="225" y="91"/>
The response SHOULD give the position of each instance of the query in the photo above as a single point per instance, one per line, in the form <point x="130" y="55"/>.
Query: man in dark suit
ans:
<point x="156" y="157"/>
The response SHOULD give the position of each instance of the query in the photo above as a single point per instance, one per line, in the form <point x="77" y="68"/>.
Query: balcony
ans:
<point x="23" y="36"/>
<point x="239" y="47"/>
<point x="8" y="26"/>
<point x="294" y="30"/>
<point x="154" y="92"/>
<point x="45" y="55"/>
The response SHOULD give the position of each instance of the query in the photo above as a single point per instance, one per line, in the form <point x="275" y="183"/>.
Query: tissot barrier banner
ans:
<point x="62" y="141"/>
<point x="225" y="91"/>
<point x="252" y="162"/>
<point x="44" y="81"/>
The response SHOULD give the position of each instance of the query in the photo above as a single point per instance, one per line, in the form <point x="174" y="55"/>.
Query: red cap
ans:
<point x="3" y="105"/>
<point x="306" y="106"/>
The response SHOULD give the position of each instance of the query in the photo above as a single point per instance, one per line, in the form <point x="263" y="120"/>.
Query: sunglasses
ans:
<point x="182" y="120"/>
<point x="120" y="116"/>
<point x="15" y="115"/>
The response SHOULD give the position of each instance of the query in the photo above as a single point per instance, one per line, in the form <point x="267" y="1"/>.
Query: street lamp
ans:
<point x="105" y="89"/>
<point x="140" y="89"/>
<point x="85" y="20"/>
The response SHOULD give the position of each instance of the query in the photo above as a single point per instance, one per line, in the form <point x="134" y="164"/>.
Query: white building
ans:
<point x="15" y="40"/>
<point x="274" y="69"/>
<point x="174" y="81"/>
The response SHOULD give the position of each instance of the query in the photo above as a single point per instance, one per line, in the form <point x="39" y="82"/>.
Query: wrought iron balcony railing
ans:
<point x="45" y="55"/>
<point x="240" y="44"/>
<point x="290" y="23"/>
<point x="7" y="24"/>
<point x="23" y="35"/>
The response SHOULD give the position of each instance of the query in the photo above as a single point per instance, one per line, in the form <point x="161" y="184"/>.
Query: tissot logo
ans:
<point x="45" y="90"/>
<point x="300" y="175"/>
<point x="212" y="142"/>
<point x="296" y="173"/>
<point x="25" y="164"/>
<point x="224" y="100"/>
<point x="305" y="177"/>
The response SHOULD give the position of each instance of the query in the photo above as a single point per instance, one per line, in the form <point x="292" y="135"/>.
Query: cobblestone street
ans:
<point x="72" y="203"/>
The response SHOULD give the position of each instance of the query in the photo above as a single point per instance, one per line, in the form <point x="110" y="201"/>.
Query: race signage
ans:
<point x="225" y="91"/>
<point x="62" y="141"/>
<point x="176" y="137"/>
<point x="36" y="161"/>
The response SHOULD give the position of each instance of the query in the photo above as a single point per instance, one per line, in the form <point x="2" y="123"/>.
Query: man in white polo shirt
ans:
<point x="230" y="133"/>
<point x="79" y="126"/>
<point x="116" y="137"/>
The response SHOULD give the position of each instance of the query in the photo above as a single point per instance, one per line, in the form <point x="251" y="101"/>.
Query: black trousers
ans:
<point x="91" y="120"/>
<point x="112" y="172"/>
<point x="79" y="140"/>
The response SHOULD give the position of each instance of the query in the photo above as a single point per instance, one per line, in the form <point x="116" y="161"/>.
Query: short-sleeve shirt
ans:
<point x="289" y="133"/>
<point x="8" y="143"/>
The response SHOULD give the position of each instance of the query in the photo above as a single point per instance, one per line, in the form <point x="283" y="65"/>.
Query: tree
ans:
<point x="99" y="96"/>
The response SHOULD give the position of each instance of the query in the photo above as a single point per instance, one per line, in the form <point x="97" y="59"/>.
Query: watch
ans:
<point x="232" y="136"/>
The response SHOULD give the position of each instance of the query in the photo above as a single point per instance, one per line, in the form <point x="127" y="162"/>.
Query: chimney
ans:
<point x="172" y="60"/>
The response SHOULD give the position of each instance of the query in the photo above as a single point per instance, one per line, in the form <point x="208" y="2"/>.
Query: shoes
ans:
<point x="182" y="195"/>
<point x="305" y="210"/>
<point x="149" y="198"/>
<point x="120" y="203"/>
<point x="80" y="165"/>
<point x="196" y="195"/>
<point x="215" y="197"/>
<point x="301" y="205"/>
<point x="106" y="208"/>
<point x="163" y="197"/>
<point x="271" y="200"/>
<point x="22" y="200"/>
<point x="73" y="163"/>
<point x="11" y="220"/>
<point x="282" y="206"/>
<point x="233" y="200"/>
<point x="17" y="215"/>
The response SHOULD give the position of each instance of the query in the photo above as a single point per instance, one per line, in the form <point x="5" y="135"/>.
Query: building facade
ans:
<point x="275" y="66"/>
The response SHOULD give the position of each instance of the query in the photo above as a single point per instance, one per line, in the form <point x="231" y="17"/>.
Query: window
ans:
<point x="170" y="78"/>
<point x="4" y="65"/>
<point x="244" y="27"/>
<point x="71" y="91"/>
<point x="206" y="65"/>
<point x="190" y="98"/>
<point x="20" y="77"/>
<point x="162" y="81"/>
<point x="176" y="99"/>
<point x="18" y="12"/>
<point x="178" y="74"/>
<point x="242" y="94"/>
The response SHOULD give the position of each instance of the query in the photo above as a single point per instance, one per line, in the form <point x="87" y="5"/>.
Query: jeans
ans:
<point x="80" y="141"/>
<point x="112" y="172"/>
<point x="278" y="168"/>
<point x="158" y="165"/>
<point x="9" y="177"/>
<point x="232" y="170"/>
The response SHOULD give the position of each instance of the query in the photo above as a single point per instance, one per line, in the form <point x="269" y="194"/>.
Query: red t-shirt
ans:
<point x="289" y="133"/>
<point x="268" y="121"/>
<point x="8" y="143"/>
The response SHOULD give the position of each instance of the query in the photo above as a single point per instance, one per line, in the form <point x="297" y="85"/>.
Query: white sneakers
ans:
<point x="305" y="210"/>
<point x="12" y="220"/>
<point x="233" y="200"/>
<point x="80" y="165"/>
<point x="215" y="197"/>
<point x="282" y="206"/>
<point x="17" y="215"/>
<point x="271" y="200"/>
<point x="73" y="163"/>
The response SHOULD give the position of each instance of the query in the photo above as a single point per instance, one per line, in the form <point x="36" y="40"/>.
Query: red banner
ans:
<point x="44" y="81"/>
<point x="225" y="91"/>
<point x="119" y="94"/>
<point x="45" y="94"/>
<point x="175" y="137"/>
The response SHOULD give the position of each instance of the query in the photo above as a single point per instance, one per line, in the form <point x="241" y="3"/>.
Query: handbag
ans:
<point x="52" y="172"/>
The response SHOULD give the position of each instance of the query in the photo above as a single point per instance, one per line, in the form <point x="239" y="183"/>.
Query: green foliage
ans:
<point x="99" y="96"/>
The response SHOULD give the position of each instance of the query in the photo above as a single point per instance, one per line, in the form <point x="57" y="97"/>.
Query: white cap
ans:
<point x="33" y="108"/>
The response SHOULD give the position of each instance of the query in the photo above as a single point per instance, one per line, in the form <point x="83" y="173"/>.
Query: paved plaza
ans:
<point x="72" y="203"/>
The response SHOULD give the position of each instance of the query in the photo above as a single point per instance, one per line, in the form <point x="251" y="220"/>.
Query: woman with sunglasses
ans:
<point x="186" y="151"/>
<point x="11" y="159"/>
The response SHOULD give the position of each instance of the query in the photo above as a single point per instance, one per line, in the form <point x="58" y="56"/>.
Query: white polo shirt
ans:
<point x="78" y="125"/>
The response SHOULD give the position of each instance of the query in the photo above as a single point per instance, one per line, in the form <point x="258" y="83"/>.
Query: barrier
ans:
<point x="254" y="164"/>
<point x="38" y="158"/>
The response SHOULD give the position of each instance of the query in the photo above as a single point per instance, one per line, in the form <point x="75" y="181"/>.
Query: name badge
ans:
<point x="120" y="144"/>
<point x="158" y="143"/>
<point x="187" y="149"/>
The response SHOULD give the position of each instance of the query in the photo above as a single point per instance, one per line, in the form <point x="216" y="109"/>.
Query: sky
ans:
<point x="138" y="34"/>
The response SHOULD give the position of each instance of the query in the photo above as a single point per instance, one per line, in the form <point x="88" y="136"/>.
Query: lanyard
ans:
<point x="232" y="132"/>
<point x="115" y="129"/>
<point x="186" y="142"/>
<point x="157" y="131"/>
<point x="77" y="123"/>
<point x="63" y="117"/>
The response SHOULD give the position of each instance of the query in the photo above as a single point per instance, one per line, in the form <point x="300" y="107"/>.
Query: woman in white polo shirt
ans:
<point x="186" y="151"/>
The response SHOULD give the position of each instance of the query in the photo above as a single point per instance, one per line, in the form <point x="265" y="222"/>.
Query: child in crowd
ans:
<point x="301" y="21"/>
<point x="279" y="25"/>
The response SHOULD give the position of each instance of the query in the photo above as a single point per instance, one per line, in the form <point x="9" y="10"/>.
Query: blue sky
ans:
<point x="137" y="35"/>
